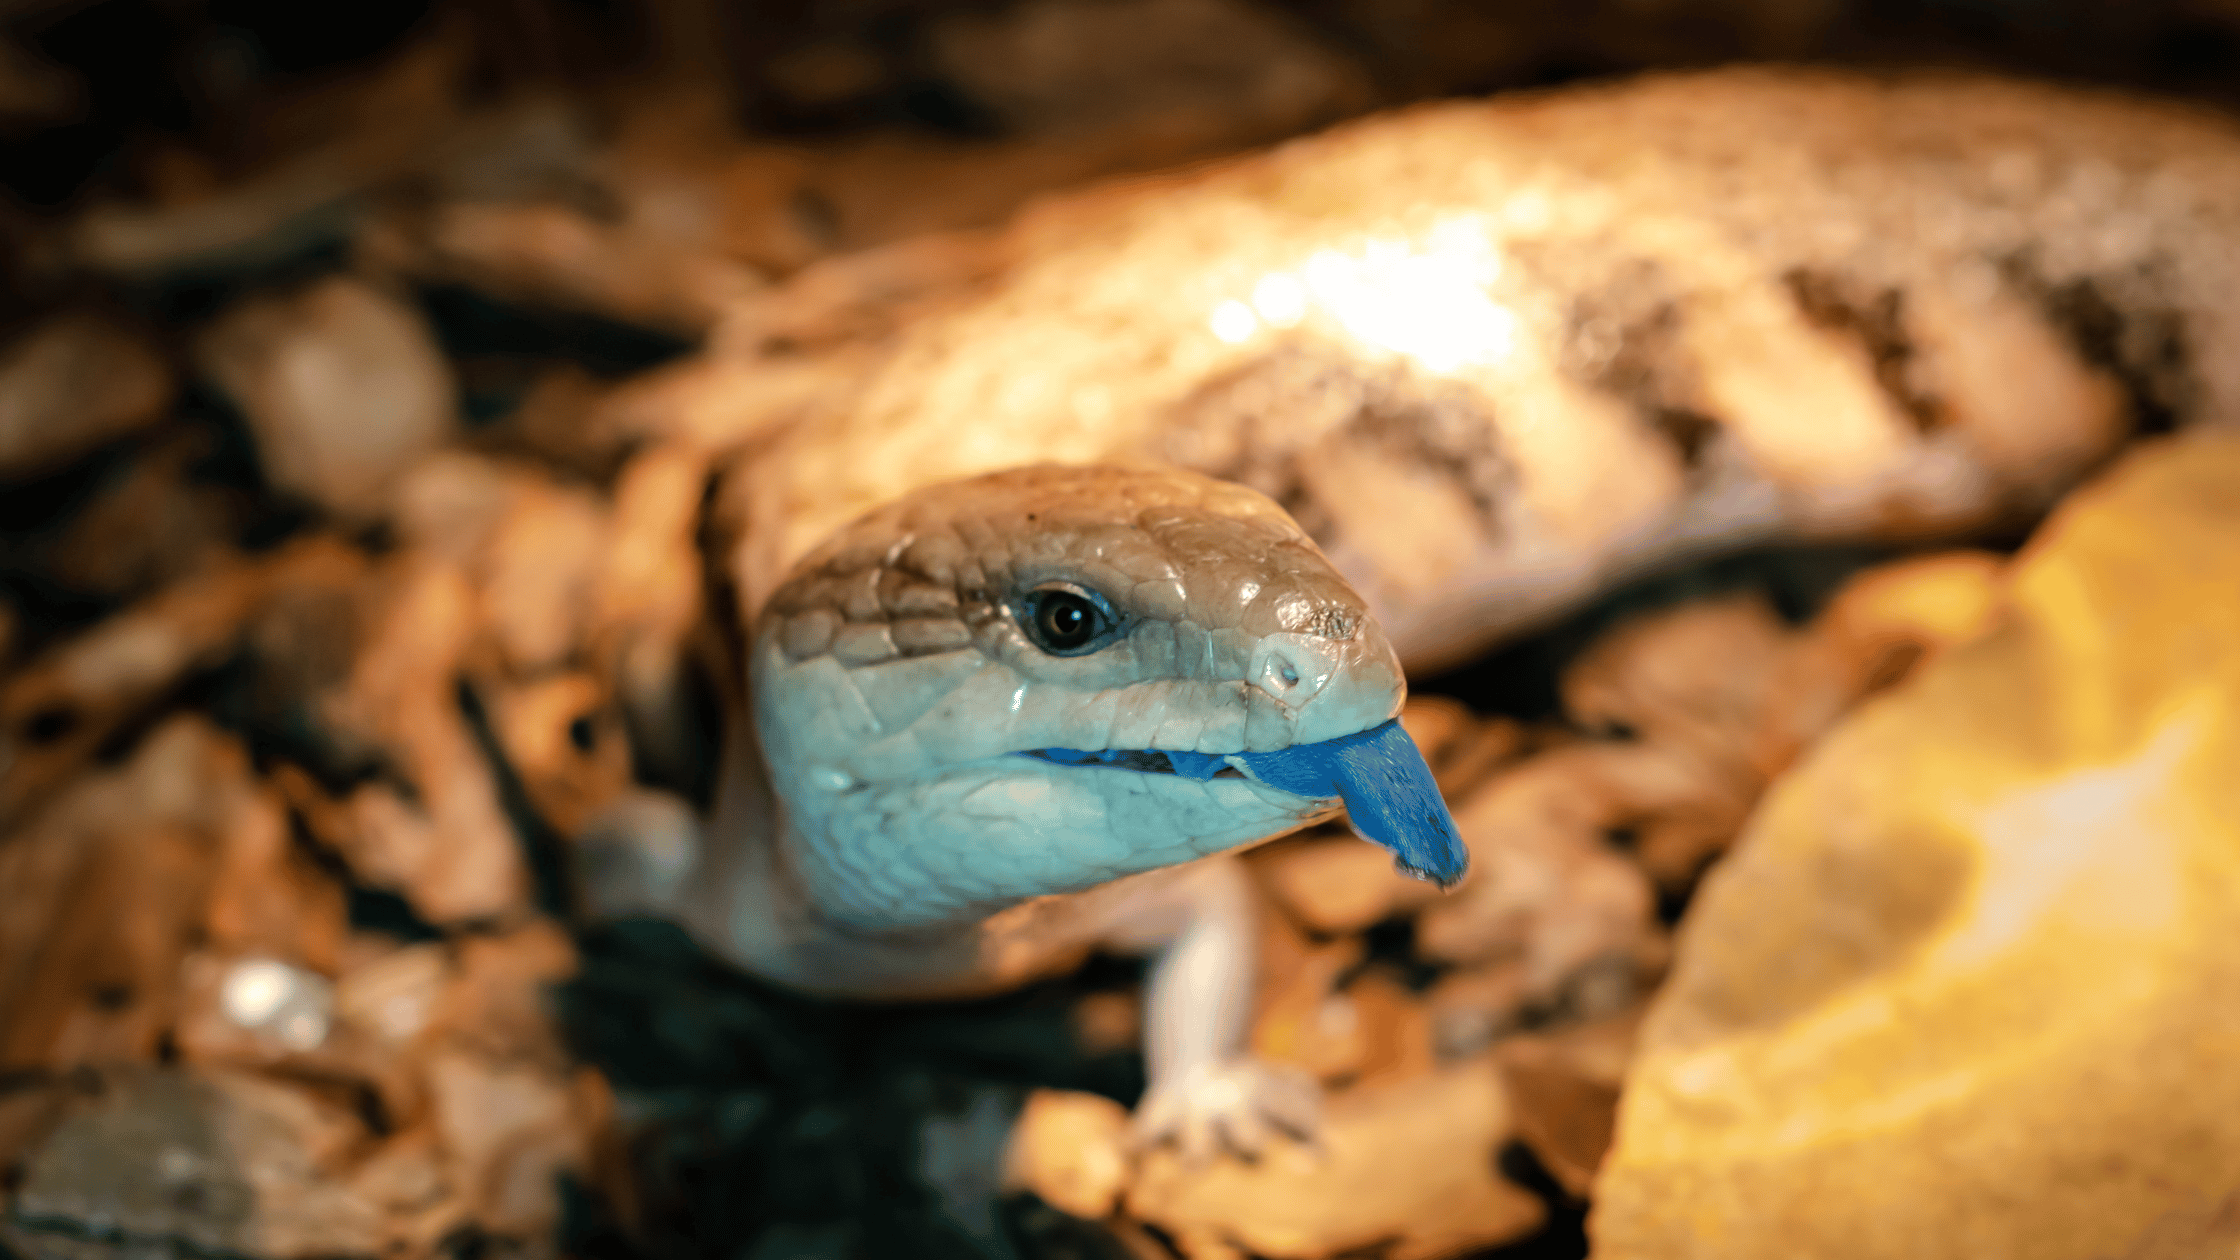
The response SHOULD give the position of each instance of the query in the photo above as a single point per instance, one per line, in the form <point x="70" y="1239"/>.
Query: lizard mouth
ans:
<point x="1379" y="773"/>
<point x="1189" y="765"/>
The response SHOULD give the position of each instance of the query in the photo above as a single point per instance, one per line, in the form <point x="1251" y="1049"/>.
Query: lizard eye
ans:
<point x="1064" y="620"/>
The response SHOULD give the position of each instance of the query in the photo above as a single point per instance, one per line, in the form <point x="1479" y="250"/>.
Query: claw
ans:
<point x="1237" y="1107"/>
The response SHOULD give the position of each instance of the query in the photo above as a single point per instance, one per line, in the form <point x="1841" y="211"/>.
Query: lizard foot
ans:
<point x="1235" y="1105"/>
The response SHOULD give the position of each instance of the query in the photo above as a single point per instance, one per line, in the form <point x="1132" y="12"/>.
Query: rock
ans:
<point x="1693" y="678"/>
<point x="1336" y="884"/>
<point x="647" y="607"/>
<point x="566" y="742"/>
<point x="149" y="527"/>
<point x="119" y="878"/>
<point x="1471" y="1007"/>
<point x="433" y="827"/>
<point x="1405" y="1164"/>
<point x="1966" y="986"/>
<point x="342" y="384"/>
<point x="1072" y="1150"/>
<point x="216" y="1161"/>
<point x="1566" y="1085"/>
<point x="1233" y="70"/>
<point x="1544" y="884"/>
<point x="514" y="1131"/>
<point x="72" y="383"/>
<point x="1884" y="623"/>
<point x="512" y="1112"/>
<point x="63" y="706"/>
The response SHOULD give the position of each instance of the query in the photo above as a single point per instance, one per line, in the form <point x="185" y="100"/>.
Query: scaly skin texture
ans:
<point x="1495" y="355"/>
<point x="880" y="836"/>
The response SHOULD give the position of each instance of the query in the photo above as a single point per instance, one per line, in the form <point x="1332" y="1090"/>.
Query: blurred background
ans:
<point x="289" y="961"/>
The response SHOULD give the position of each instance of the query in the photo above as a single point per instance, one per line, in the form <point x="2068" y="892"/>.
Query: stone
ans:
<point x="513" y="1131"/>
<point x="121" y="876"/>
<point x="1335" y="884"/>
<point x="435" y="829"/>
<point x="1408" y="1165"/>
<point x="58" y="710"/>
<point x="1234" y="70"/>
<point x="208" y="1161"/>
<point x="1966" y="985"/>
<point x="1544" y="884"/>
<point x="71" y="383"/>
<point x="342" y="383"/>
<point x="1882" y="624"/>
<point x="1071" y="1149"/>
<point x="148" y="527"/>
<point x="563" y="738"/>
<point x="1566" y="1085"/>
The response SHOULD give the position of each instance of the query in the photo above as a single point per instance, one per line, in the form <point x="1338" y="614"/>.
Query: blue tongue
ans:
<point x="1388" y="792"/>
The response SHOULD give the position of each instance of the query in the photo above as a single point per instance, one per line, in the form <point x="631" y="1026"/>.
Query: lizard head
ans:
<point x="1038" y="680"/>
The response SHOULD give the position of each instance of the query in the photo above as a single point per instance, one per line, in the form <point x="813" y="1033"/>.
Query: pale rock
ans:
<point x="1407" y="1164"/>
<point x="1966" y="986"/>
<point x="1072" y="1150"/>
<point x="342" y="384"/>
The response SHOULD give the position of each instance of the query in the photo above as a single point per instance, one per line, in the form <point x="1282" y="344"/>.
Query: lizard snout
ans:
<point x="1329" y="687"/>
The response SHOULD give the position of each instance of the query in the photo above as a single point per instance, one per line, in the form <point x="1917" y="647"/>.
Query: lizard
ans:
<point x="1493" y="357"/>
<point x="1010" y="719"/>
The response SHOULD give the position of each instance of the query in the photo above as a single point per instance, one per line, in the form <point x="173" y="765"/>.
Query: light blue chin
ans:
<point x="1379" y="774"/>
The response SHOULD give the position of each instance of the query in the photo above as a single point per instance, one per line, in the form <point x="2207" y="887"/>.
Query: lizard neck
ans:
<point x="860" y="866"/>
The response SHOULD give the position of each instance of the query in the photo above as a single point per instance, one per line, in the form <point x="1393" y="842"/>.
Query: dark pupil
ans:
<point x="1068" y="621"/>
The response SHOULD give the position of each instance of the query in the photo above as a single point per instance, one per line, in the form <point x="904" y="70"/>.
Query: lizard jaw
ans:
<point x="1379" y="773"/>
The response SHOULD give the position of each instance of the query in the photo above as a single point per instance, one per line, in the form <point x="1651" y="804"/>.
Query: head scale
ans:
<point x="1037" y="680"/>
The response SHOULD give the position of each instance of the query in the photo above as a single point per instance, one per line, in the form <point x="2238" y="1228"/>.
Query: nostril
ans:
<point x="1290" y="669"/>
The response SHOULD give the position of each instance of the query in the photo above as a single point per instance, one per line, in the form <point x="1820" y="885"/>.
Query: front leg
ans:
<point x="1206" y="1092"/>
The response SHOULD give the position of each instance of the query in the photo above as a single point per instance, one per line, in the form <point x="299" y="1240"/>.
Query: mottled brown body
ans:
<point x="1495" y="356"/>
